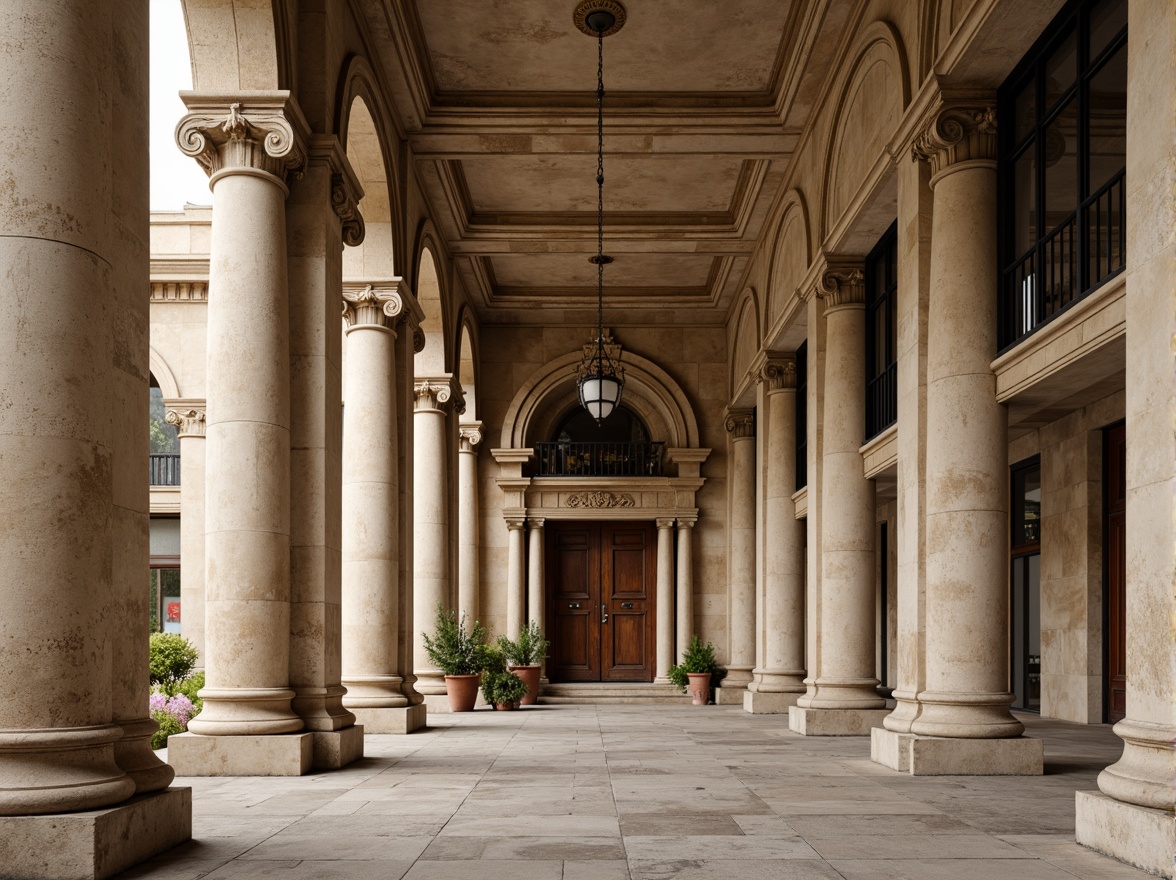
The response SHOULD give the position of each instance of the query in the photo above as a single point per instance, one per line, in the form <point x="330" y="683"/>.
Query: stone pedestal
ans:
<point x="335" y="749"/>
<point x="956" y="756"/>
<point x="740" y="424"/>
<point x="768" y="703"/>
<point x="386" y="720"/>
<point x="193" y="754"/>
<point x="1140" y="836"/>
<point x="95" y="844"/>
<point x="834" y="722"/>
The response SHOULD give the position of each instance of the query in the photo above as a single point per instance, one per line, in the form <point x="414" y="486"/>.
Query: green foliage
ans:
<point x="698" y="658"/>
<point x="168" y="724"/>
<point x="455" y="650"/>
<point x="171" y="657"/>
<point x="189" y="688"/>
<point x="529" y="650"/>
<point x="502" y="687"/>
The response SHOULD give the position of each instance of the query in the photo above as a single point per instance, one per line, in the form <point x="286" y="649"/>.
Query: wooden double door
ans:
<point x="600" y="600"/>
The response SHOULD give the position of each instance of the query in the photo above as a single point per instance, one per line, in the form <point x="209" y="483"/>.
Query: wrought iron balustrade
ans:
<point x="881" y="401"/>
<point x="165" y="468"/>
<point x="589" y="459"/>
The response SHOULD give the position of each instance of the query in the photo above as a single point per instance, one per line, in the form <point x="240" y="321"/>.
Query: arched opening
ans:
<point x="373" y="258"/>
<point x="430" y="361"/>
<point x="467" y="375"/>
<point x="619" y="446"/>
<point x="164" y="440"/>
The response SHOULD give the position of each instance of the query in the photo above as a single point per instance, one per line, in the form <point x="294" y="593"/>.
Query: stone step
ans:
<point x="591" y="692"/>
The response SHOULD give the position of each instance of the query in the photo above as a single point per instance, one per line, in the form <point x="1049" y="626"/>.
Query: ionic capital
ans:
<point x="842" y="284"/>
<point x="515" y="523"/>
<point x="190" y="420"/>
<point x="740" y="423"/>
<point x="664" y="523"/>
<point x="956" y="131"/>
<point x="777" y="373"/>
<point x="369" y="305"/>
<point x="432" y="394"/>
<point x="469" y="435"/>
<point x="687" y="522"/>
<point x="258" y="131"/>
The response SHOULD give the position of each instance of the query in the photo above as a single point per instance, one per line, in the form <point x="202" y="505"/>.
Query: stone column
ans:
<point x="740" y="424"/>
<point x="841" y="698"/>
<point x="371" y="515"/>
<point x="779" y="679"/>
<point x="73" y="377"/>
<point x="536" y="573"/>
<point x="516" y="586"/>
<point x="431" y="584"/>
<point x="247" y="149"/>
<point x="1131" y="817"/>
<point x="967" y="697"/>
<point x="684" y="586"/>
<point x="665" y="600"/>
<point x="469" y="437"/>
<point x="189" y="418"/>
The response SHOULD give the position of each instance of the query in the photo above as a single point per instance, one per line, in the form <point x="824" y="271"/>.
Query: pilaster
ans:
<point x="740" y="423"/>
<point x="190" y="420"/>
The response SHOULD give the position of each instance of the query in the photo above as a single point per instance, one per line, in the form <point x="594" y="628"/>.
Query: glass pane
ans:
<point x="169" y="579"/>
<point x="1108" y="121"/>
<point x="1061" y="69"/>
<point x="1025" y="111"/>
<point x="1061" y="166"/>
<point x="1106" y="20"/>
<point x="1033" y="634"/>
<point x="164" y="437"/>
<point x="1025" y="201"/>
<point x="880" y="323"/>
<point x="1031" y="531"/>
<point x="1017" y="634"/>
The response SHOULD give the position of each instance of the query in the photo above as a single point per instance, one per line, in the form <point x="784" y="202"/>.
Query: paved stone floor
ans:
<point x="611" y="792"/>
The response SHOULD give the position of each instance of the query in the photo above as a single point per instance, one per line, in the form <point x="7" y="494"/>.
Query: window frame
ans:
<point x="882" y="405"/>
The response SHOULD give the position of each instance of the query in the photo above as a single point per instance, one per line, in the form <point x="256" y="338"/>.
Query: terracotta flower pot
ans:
<point x="699" y="687"/>
<point x="462" y="691"/>
<point x="504" y="707"/>
<point x="530" y="675"/>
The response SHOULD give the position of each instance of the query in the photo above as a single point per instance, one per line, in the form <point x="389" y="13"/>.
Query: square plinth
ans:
<point x="287" y="754"/>
<point x="730" y="696"/>
<point x="1136" y="835"/>
<point x="891" y="749"/>
<point x="400" y="720"/>
<point x="95" y="844"/>
<point x="834" y="722"/>
<point x="760" y="703"/>
<point x="948" y="756"/>
<point x="333" y="749"/>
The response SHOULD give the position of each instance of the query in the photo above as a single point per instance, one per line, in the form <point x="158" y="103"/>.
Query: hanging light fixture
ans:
<point x="600" y="377"/>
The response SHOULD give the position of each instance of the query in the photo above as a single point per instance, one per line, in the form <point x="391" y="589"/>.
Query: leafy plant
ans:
<point x="698" y="658"/>
<point x="530" y="649"/>
<point x="171" y="658"/>
<point x="454" y="649"/>
<point x="502" y="687"/>
<point x="172" y="714"/>
<point x="190" y="688"/>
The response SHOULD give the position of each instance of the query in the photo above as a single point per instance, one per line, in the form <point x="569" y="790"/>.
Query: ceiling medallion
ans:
<point x="582" y="16"/>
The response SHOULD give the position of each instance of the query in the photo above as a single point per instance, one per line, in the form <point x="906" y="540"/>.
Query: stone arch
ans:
<point x="239" y="44"/>
<point x="791" y="256"/>
<point x="465" y="360"/>
<point x="551" y="392"/>
<point x="874" y="95"/>
<point x="164" y="377"/>
<point x="435" y="358"/>
<point x="744" y="343"/>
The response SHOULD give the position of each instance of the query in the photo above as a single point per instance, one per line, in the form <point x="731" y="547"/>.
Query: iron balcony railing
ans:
<point x="165" y="468"/>
<point x="599" y="459"/>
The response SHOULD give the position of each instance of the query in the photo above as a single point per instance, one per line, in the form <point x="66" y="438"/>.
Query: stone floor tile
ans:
<point x="457" y="847"/>
<point x="852" y="825"/>
<point x="735" y="847"/>
<point x="485" y="870"/>
<point x="653" y="824"/>
<point x="285" y="848"/>
<point x="956" y="869"/>
<point x="534" y="826"/>
<point x="962" y="847"/>
<point x="309" y="869"/>
<point x="741" y="869"/>
<point x="167" y="869"/>
<point x="1062" y="852"/>
<point x="597" y="869"/>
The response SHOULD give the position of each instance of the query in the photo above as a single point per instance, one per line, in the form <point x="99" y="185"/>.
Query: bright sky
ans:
<point x="175" y="179"/>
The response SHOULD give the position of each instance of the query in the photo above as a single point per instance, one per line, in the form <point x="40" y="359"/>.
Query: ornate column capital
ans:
<point x="778" y="373"/>
<point x="536" y="522"/>
<point x="469" y="435"/>
<point x="188" y="417"/>
<point x="740" y="423"/>
<point x="687" y="522"/>
<point x="664" y="523"/>
<point x="259" y="132"/>
<point x="346" y="191"/>
<point x="432" y="394"/>
<point x="515" y="523"/>
<point x="958" y="129"/>
<point x="372" y="305"/>
<point x="842" y="284"/>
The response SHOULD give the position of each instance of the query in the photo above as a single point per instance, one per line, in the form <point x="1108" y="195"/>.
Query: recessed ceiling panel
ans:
<point x="574" y="270"/>
<point x="665" y="46"/>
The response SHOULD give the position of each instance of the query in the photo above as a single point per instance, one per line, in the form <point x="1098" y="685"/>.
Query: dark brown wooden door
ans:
<point x="600" y="592"/>
<point x="1115" y="584"/>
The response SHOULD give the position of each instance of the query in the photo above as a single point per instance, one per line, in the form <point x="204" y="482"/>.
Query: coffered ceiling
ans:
<point x="705" y="103"/>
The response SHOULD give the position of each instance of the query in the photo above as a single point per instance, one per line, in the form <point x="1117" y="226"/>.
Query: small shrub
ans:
<point x="172" y="657"/>
<point x="698" y="658"/>
<point x="455" y="650"/>
<point x="190" y="688"/>
<point x="502" y="687"/>
<point x="530" y="649"/>
<point x="172" y="714"/>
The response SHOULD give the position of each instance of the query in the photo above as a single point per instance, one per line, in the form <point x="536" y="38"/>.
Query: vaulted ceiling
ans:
<point x="705" y="105"/>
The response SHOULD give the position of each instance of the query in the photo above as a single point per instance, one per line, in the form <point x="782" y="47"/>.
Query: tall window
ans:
<point x="164" y="442"/>
<point x="1025" y="580"/>
<point x="1062" y="124"/>
<point x="881" y="359"/>
<point x="802" y="416"/>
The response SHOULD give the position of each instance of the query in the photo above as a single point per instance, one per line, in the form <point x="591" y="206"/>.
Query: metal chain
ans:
<point x="600" y="201"/>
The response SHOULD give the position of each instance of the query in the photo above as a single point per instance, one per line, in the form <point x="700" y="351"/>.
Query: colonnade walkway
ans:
<point x="612" y="792"/>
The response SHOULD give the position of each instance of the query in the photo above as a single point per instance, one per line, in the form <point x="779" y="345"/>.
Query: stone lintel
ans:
<point x="95" y="844"/>
<point x="834" y="722"/>
<point x="335" y="749"/>
<point x="284" y="754"/>
<point x="392" y="719"/>
<point x="764" y="703"/>
<point x="1140" y="836"/>
<point x="891" y="749"/>
<point x="952" y="756"/>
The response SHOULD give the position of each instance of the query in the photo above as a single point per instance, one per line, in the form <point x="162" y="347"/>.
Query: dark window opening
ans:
<point x="618" y="447"/>
<point x="802" y="416"/>
<point x="1025" y="585"/>
<point x="881" y="356"/>
<point x="164" y="450"/>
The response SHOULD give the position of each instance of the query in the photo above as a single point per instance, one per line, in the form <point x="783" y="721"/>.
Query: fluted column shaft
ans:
<point x="664" y="648"/>
<point x="843" y="677"/>
<point x="469" y="437"/>
<point x="371" y="561"/>
<point x="967" y="460"/>
<point x="515" y="574"/>
<point x="247" y="151"/>
<point x="431" y="583"/>
<point x="780" y="631"/>
<point x="684" y="588"/>
<point x="740" y="425"/>
<point x="189" y="418"/>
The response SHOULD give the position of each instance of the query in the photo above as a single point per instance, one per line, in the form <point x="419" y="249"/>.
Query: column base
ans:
<point x="834" y="722"/>
<point x="765" y="703"/>
<point x="398" y="720"/>
<point x="1139" y="836"/>
<point x="95" y="844"/>
<point x="891" y="749"/>
<point x="730" y="694"/>
<point x="192" y="754"/>
<point x="331" y="750"/>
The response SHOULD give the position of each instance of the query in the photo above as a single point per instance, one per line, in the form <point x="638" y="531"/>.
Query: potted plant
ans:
<point x="698" y="672"/>
<point x="526" y="656"/>
<point x="460" y="655"/>
<point x="501" y="689"/>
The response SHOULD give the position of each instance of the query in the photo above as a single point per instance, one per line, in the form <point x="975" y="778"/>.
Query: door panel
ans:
<point x="628" y="585"/>
<point x="1115" y="588"/>
<point x="574" y="589"/>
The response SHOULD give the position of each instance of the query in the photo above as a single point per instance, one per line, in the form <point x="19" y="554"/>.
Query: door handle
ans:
<point x="626" y="604"/>
<point x="573" y="604"/>
<point x="604" y="613"/>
